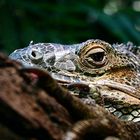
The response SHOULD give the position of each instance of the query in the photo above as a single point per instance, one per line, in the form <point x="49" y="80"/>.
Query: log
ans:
<point x="40" y="109"/>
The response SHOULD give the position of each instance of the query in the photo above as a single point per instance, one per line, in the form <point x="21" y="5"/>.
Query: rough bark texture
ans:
<point x="39" y="109"/>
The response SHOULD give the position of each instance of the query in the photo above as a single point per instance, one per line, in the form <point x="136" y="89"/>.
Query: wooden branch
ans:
<point x="41" y="109"/>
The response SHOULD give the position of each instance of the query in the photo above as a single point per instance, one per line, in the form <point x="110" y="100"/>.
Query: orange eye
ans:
<point x="96" y="57"/>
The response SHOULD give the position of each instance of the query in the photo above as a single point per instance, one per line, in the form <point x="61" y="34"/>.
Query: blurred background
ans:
<point x="67" y="21"/>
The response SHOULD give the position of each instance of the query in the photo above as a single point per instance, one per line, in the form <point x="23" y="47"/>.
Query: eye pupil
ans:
<point x="97" y="57"/>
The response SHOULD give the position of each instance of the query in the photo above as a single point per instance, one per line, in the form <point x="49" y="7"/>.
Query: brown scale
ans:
<point x="124" y="76"/>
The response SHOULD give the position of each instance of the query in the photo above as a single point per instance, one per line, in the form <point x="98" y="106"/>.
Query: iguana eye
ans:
<point x="96" y="57"/>
<point x="35" y="55"/>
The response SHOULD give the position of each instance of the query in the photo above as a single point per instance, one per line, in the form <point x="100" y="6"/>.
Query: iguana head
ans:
<point x="112" y="69"/>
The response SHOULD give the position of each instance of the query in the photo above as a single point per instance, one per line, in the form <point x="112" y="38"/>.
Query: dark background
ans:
<point x="67" y="21"/>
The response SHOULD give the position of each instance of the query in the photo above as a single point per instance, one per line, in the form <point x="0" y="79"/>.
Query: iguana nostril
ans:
<point x="35" y="56"/>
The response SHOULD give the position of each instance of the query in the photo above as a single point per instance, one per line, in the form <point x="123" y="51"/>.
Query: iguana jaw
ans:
<point x="116" y="97"/>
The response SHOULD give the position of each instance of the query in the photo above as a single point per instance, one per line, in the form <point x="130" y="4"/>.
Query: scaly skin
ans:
<point x="110" y="73"/>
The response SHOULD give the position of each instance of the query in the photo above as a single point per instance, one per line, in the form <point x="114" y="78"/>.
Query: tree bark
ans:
<point x="40" y="109"/>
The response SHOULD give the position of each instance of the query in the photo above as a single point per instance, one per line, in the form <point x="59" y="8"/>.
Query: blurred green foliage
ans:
<point x="67" y="21"/>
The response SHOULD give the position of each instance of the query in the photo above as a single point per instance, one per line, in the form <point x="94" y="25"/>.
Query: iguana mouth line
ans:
<point x="118" y="86"/>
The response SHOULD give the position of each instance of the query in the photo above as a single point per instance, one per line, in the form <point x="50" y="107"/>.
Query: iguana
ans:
<point x="93" y="70"/>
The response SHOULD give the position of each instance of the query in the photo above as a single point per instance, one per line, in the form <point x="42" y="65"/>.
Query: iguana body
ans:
<point x="112" y="73"/>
